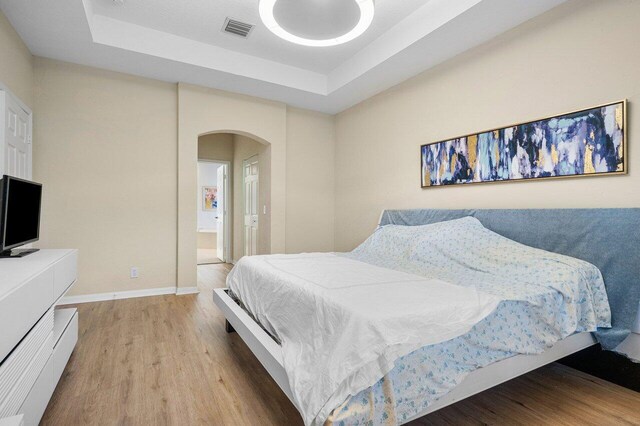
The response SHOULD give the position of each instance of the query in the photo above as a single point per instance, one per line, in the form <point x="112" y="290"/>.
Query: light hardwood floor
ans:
<point x="207" y="257"/>
<point x="167" y="360"/>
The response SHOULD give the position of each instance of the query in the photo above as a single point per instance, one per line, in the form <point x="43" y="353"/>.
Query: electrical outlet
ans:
<point x="134" y="272"/>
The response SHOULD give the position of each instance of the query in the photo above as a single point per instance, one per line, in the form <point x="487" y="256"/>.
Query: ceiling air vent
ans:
<point x="238" y="28"/>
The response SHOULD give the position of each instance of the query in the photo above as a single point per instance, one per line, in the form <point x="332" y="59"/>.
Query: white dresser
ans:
<point x="36" y="339"/>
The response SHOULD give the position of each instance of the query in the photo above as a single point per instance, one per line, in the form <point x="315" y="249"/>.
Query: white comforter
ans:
<point x="342" y="323"/>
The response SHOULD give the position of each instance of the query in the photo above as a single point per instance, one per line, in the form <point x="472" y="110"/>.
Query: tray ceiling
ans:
<point x="183" y="42"/>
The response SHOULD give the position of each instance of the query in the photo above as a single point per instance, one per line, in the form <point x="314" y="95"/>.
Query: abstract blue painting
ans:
<point x="581" y="143"/>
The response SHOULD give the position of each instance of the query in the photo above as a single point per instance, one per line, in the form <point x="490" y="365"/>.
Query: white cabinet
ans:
<point x="65" y="336"/>
<point x="36" y="339"/>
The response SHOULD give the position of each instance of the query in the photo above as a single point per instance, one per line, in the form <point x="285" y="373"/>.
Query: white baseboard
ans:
<point x="101" y="297"/>
<point x="187" y="290"/>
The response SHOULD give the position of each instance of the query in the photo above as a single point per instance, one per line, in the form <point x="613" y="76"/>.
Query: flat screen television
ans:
<point x="19" y="215"/>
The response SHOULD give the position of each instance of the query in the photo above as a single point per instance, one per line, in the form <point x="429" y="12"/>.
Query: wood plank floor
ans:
<point x="167" y="360"/>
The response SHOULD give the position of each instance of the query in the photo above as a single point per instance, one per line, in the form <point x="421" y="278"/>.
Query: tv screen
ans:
<point x="19" y="212"/>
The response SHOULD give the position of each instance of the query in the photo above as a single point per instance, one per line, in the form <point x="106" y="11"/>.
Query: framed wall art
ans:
<point x="209" y="198"/>
<point x="587" y="142"/>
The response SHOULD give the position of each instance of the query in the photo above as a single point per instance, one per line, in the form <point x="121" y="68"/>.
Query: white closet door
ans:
<point x="17" y="139"/>
<point x="250" y="178"/>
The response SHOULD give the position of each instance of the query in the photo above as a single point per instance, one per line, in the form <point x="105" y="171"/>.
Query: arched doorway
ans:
<point x="205" y="111"/>
<point x="248" y="218"/>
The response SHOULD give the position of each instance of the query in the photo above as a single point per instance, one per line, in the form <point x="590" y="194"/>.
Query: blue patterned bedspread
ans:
<point x="545" y="298"/>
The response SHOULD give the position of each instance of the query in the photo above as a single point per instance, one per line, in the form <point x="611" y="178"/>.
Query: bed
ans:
<point x="480" y="347"/>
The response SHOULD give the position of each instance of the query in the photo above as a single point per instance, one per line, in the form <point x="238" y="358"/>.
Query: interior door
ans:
<point x="17" y="136"/>
<point x="250" y="180"/>
<point x="221" y="219"/>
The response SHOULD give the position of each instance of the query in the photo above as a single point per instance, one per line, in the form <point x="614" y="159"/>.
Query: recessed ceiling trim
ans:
<point x="417" y="26"/>
<point x="123" y="35"/>
<point x="367" y="12"/>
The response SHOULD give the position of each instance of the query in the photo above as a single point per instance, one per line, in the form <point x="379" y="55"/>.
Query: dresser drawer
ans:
<point x="24" y="365"/>
<point x="15" y="366"/>
<point x="65" y="336"/>
<point x="22" y="308"/>
<point x="12" y="421"/>
<point x="36" y="402"/>
<point x="65" y="273"/>
<point x="67" y="321"/>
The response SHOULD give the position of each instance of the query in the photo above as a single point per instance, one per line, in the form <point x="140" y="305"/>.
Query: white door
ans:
<point x="17" y="139"/>
<point x="250" y="181"/>
<point x="220" y="219"/>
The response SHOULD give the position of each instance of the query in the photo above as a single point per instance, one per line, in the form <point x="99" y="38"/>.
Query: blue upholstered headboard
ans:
<point x="607" y="238"/>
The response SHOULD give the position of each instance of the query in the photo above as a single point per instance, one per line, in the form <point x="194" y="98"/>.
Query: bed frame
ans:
<point x="269" y="354"/>
<point x="558" y="230"/>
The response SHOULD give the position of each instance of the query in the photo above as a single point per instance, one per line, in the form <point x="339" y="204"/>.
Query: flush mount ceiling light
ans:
<point x="366" y="12"/>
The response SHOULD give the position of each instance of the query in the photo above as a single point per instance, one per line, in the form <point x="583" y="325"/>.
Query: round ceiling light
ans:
<point x="367" y="11"/>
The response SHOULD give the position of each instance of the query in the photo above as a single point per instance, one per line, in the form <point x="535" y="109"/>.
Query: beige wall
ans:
<point x="105" y="150"/>
<point x="16" y="63"/>
<point x="203" y="111"/>
<point x="310" y="181"/>
<point x="216" y="146"/>
<point x="118" y="156"/>
<point x="246" y="148"/>
<point x="581" y="54"/>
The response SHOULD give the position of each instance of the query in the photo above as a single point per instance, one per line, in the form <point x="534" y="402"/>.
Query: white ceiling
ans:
<point x="181" y="41"/>
<point x="202" y="21"/>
